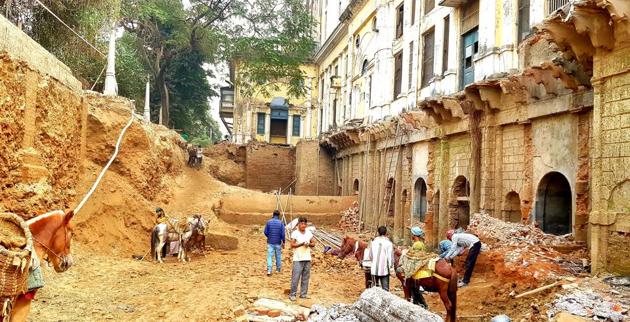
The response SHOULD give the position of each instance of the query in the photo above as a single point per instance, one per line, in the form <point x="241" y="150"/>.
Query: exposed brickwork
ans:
<point x="269" y="167"/>
<point x="314" y="170"/>
<point x="582" y="184"/>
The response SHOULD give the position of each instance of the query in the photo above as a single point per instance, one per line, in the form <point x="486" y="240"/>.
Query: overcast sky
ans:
<point x="221" y="74"/>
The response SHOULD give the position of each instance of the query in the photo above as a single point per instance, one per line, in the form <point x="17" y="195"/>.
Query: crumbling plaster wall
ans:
<point x="42" y="126"/>
<point x="555" y="149"/>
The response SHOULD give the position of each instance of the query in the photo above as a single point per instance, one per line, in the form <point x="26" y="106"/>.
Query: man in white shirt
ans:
<point x="462" y="241"/>
<point x="301" y="243"/>
<point x="381" y="255"/>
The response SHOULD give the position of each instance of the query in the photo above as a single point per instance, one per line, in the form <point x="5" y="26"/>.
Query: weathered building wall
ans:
<point x="269" y="167"/>
<point x="22" y="48"/>
<point x="42" y="126"/>
<point x="610" y="216"/>
<point x="314" y="170"/>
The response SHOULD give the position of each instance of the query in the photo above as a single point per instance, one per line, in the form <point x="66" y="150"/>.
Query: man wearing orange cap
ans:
<point x="463" y="241"/>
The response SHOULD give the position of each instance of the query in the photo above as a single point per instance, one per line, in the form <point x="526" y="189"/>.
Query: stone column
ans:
<point x="147" y="107"/>
<point x="268" y="127"/>
<point x="111" y="88"/>
<point x="289" y="129"/>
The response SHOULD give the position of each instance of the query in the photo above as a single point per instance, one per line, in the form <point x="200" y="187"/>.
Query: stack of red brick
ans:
<point x="350" y="219"/>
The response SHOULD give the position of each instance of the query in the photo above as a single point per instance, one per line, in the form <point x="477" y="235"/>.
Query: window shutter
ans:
<point x="260" y="123"/>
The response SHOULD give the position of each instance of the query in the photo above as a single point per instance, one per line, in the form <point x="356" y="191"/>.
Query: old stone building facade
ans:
<point x="272" y="116"/>
<point x="466" y="107"/>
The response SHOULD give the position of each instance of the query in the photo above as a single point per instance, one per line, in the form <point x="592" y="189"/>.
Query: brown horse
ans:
<point x="445" y="283"/>
<point x="52" y="234"/>
<point x="357" y="248"/>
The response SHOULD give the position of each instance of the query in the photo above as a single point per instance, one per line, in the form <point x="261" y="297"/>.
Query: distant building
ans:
<point x="276" y="118"/>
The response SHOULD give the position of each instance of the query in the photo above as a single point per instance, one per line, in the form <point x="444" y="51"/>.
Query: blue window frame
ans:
<point x="260" y="123"/>
<point x="296" y="125"/>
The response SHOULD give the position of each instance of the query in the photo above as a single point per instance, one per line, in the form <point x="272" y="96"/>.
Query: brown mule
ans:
<point x="445" y="283"/>
<point x="52" y="234"/>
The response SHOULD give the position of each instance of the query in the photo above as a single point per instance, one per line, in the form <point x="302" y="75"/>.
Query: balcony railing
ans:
<point x="553" y="5"/>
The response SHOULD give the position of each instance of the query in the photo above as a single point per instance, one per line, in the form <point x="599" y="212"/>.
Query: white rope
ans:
<point x="111" y="160"/>
<point x="76" y="33"/>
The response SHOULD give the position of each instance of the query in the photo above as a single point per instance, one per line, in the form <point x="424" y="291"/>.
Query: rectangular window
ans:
<point x="428" y="40"/>
<point x="553" y="5"/>
<point x="428" y="6"/>
<point x="447" y="23"/>
<point x="296" y="125"/>
<point x="413" y="12"/>
<point x="410" y="64"/>
<point x="397" y="74"/>
<point x="400" y="15"/>
<point x="523" y="20"/>
<point x="260" y="123"/>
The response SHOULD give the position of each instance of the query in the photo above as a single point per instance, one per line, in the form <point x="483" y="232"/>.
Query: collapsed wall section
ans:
<point x="42" y="126"/>
<point x="314" y="170"/>
<point x="269" y="167"/>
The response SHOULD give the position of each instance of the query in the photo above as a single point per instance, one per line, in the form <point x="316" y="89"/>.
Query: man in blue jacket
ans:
<point x="274" y="230"/>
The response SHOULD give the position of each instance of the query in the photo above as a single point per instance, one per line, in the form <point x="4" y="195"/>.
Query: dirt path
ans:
<point x="102" y="287"/>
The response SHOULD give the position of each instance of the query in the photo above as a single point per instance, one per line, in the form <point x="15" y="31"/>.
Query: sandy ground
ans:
<point x="206" y="289"/>
<point x="110" y="285"/>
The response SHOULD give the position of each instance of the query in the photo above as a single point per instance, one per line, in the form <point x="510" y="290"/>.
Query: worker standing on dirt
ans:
<point x="417" y="244"/>
<point x="463" y="241"/>
<point x="301" y="243"/>
<point x="382" y="256"/>
<point x="274" y="230"/>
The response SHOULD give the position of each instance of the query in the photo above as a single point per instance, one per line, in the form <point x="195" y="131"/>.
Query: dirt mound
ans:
<point x="41" y="133"/>
<point x="149" y="172"/>
<point x="226" y="162"/>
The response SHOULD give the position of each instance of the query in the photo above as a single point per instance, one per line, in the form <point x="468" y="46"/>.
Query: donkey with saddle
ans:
<point x="186" y="233"/>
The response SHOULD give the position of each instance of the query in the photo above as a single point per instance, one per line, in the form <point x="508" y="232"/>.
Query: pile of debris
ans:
<point x="513" y="234"/>
<point x="374" y="305"/>
<point x="589" y="304"/>
<point x="529" y="250"/>
<point x="268" y="310"/>
<point x="350" y="219"/>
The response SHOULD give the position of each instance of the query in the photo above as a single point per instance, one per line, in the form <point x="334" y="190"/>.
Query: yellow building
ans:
<point x="273" y="116"/>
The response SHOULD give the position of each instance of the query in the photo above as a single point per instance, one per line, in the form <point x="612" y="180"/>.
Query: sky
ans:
<point x="221" y="73"/>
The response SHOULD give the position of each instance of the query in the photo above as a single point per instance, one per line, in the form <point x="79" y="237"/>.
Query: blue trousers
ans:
<point x="271" y="250"/>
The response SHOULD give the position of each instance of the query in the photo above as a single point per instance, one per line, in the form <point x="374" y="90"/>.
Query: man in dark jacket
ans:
<point x="274" y="230"/>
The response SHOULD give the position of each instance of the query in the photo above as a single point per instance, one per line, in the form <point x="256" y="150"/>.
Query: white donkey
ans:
<point x="186" y="235"/>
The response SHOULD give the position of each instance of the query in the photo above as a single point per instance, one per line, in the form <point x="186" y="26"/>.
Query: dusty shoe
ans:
<point x="461" y="284"/>
<point x="292" y="298"/>
<point x="268" y="273"/>
<point x="304" y="297"/>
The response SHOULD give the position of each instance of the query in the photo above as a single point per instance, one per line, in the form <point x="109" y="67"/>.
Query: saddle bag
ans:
<point x="16" y="244"/>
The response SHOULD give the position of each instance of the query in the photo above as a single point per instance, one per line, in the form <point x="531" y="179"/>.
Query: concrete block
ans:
<point x="221" y="241"/>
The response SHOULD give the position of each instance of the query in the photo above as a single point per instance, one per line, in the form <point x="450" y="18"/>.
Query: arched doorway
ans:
<point x="512" y="207"/>
<point x="459" y="205"/>
<point x="389" y="204"/>
<point x="419" y="199"/>
<point x="553" y="204"/>
<point x="355" y="186"/>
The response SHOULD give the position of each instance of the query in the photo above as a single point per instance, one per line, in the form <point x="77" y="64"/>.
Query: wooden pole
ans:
<point x="538" y="290"/>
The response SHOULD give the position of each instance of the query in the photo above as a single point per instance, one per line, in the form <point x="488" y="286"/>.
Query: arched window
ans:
<point x="355" y="186"/>
<point x="512" y="207"/>
<point x="419" y="199"/>
<point x="553" y="204"/>
<point x="364" y="67"/>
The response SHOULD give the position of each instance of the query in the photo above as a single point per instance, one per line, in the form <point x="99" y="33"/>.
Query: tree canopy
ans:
<point x="171" y="42"/>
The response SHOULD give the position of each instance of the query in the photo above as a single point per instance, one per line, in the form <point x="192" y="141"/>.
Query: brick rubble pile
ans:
<point x="350" y="219"/>
<point x="495" y="230"/>
<point x="529" y="250"/>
